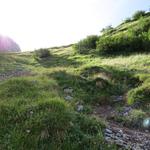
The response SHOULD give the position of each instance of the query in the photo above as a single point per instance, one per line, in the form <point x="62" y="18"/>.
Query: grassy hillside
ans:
<point x="131" y="36"/>
<point x="34" y="112"/>
<point x="49" y="103"/>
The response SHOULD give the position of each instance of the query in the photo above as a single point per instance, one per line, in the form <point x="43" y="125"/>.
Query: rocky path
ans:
<point x="125" y="138"/>
<point x="14" y="73"/>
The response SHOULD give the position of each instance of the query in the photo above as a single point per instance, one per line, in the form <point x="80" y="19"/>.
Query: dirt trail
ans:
<point x="14" y="73"/>
<point x="124" y="137"/>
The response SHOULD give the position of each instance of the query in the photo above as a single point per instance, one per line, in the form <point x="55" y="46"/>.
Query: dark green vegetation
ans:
<point x="86" y="45"/>
<point x="35" y="116"/>
<point x="33" y="111"/>
<point x="137" y="15"/>
<point x="132" y="36"/>
<point x="42" y="53"/>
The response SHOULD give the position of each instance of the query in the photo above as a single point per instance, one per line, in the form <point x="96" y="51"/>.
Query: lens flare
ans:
<point x="8" y="45"/>
<point x="146" y="123"/>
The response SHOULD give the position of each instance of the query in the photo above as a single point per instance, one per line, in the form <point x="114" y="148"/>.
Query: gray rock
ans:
<point x="121" y="132"/>
<point x="119" y="142"/>
<point x="146" y="131"/>
<point x="80" y="108"/>
<point x="107" y="138"/>
<point x="108" y="131"/>
<point x="68" y="90"/>
<point x="117" y="98"/>
<point x="68" y="98"/>
<point x="119" y="135"/>
<point x="127" y="109"/>
<point x="126" y="114"/>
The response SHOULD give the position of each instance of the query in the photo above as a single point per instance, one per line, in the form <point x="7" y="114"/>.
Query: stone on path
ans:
<point x="68" y="98"/>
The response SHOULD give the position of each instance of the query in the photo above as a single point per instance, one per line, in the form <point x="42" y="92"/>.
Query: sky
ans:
<point x="37" y="24"/>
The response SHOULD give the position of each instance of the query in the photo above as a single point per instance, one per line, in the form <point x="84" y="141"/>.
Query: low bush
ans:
<point x="123" y="44"/>
<point x="108" y="30"/>
<point x="142" y="27"/>
<point x="86" y="45"/>
<point x="127" y="20"/>
<point x="139" y="94"/>
<point x="42" y="53"/>
<point x="138" y="14"/>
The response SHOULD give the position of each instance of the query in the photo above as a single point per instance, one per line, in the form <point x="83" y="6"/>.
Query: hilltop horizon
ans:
<point x="37" y="24"/>
<point x="90" y="95"/>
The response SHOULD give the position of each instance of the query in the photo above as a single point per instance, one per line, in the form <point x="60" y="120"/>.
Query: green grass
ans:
<point x="34" y="113"/>
<point x="134" y="120"/>
<point x="140" y="94"/>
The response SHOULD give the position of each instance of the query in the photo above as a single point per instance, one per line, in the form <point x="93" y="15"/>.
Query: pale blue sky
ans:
<point x="45" y="23"/>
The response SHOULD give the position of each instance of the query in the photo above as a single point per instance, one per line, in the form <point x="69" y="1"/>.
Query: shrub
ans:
<point x="107" y="30"/>
<point x="138" y="14"/>
<point x="143" y="26"/>
<point x="127" y="20"/>
<point x="42" y="53"/>
<point x="113" y="45"/>
<point x="123" y="43"/>
<point x="105" y="45"/>
<point x="87" y="44"/>
<point x="141" y="94"/>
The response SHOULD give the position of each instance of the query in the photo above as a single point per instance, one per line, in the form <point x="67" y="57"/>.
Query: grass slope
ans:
<point x="34" y="114"/>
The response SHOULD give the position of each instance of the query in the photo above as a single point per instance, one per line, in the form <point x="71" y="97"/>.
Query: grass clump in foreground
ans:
<point x="19" y="87"/>
<point x="34" y="116"/>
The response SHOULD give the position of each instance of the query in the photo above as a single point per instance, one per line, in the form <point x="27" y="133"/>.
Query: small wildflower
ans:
<point x="31" y="112"/>
<point x="28" y="131"/>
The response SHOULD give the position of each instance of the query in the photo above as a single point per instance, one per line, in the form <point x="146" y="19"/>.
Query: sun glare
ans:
<point x="44" y="23"/>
